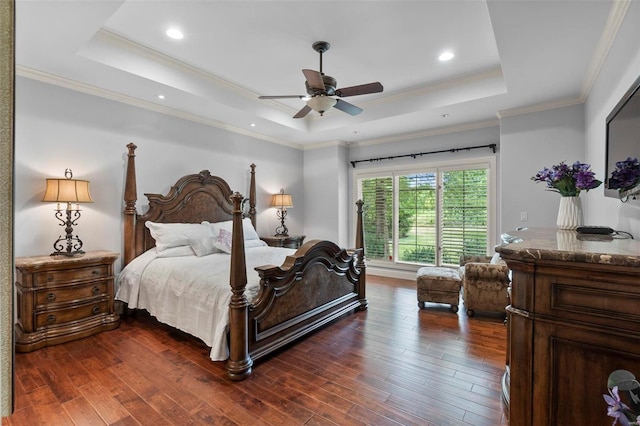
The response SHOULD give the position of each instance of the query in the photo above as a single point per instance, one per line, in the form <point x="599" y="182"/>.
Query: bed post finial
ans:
<point x="252" y="196"/>
<point x="362" y="264"/>
<point x="239" y="363"/>
<point x="130" y="198"/>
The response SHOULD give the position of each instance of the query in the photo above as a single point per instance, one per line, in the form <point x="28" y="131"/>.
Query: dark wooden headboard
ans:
<point x="192" y="199"/>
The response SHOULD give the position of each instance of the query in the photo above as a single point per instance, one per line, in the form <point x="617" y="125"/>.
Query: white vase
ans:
<point x="569" y="213"/>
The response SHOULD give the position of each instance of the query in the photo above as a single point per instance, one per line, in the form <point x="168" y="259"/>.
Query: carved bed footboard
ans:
<point x="313" y="287"/>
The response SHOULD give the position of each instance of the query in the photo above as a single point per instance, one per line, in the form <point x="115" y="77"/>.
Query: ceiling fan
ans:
<point x="321" y="88"/>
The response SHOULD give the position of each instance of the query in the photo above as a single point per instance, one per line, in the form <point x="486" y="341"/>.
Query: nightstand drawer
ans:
<point x="65" y="294"/>
<point x="61" y="316"/>
<point x="76" y="274"/>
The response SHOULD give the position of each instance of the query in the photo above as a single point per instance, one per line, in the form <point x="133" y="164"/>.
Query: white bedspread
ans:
<point x="192" y="293"/>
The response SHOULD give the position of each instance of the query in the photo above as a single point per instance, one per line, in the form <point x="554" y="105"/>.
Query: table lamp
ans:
<point x="282" y="202"/>
<point x="73" y="192"/>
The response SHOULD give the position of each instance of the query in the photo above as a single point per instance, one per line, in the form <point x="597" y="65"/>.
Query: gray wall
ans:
<point x="326" y="189"/>
<point x="529" y="143"/>
<point x="58" y="128"/>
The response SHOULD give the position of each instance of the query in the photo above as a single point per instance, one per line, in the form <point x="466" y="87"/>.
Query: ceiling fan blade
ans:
<point x="303" y="112"/>
<point x="282" y="97"/>
<point x="362" y="89"/>
<point x="314" y="79"/>
<point x="345" y="106"/>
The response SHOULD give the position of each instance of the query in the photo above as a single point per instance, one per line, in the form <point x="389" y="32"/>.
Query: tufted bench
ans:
<point x="439" y="285"/>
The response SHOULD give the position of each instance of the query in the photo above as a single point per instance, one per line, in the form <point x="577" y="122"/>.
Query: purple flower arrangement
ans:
<point x="617" y="408"/>
<point x="626" y="175"/>
<point x="567" y="180"/>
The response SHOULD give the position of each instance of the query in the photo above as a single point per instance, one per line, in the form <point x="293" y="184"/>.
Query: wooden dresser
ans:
<point x="63" y="298"/>
<point x="574" y="318"/>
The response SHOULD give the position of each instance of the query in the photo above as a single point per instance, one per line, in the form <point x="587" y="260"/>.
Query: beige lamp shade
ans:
<point x="282" y="201"/>
<point x="67" y="191"/>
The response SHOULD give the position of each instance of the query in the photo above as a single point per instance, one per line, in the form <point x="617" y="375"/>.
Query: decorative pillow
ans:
<point x="169" y="235"/>
<point x="223" y="241"/>
<point x="248" y="230"/>
<point x="175" y="252"/>
<point x="204" y="246"/>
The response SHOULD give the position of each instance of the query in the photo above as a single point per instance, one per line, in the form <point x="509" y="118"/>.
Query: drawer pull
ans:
<point x="96" y="310"/>
<point x="95" y="272"/>
<point x="51" y="297"/>
<point x="95" y="290"/>
<point x="51" y="319"/>
<point x="49" y="277"/>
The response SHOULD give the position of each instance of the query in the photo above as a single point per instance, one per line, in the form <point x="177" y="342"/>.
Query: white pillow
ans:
<point x="223" y="243"/>
<point x="495" y="259"/>
<point x="254" y="243"/>
<point x="204" y="246"/>
<point x="175" y="252"/>
<point x="248" y="230"/>
<point x="169" y="235"/>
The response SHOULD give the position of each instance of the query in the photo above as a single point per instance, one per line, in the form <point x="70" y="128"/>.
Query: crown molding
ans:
<point x="455" y="82"/>
<point x="326" y="145"/>
<point x="474" y="125"/>
<point x="538" y="107"/>
<point x="144" y="51"/>
<point x="88" y="89"/>
<point x="614" y="22"/>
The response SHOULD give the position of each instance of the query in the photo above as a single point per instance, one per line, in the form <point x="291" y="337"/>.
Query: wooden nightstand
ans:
<point x="64" y="298"/>
<point x="290" y="241"/>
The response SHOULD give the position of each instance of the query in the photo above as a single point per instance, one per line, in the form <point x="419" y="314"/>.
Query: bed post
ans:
<point x="362" y="265"/>
<point x="130" y="197"/>
<point x="252" y="196"/>
<point x="239" y="363"/>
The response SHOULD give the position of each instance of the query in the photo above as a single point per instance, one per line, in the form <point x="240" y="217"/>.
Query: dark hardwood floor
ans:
<point x="390" y="365"/>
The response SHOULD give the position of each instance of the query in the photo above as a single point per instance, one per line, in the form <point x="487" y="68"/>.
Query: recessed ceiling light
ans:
<point x="446" y="56"/>
<point x="160" y="96"/>
<point x="253" y="124"/>
<point x="175" y="34"/>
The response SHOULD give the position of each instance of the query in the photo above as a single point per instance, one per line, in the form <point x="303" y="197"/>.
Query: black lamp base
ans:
<point x="282" y="231"/>
<point x="73" y="244"/>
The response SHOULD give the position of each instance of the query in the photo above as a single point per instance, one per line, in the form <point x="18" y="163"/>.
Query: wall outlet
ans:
<point x="524" y="216"/>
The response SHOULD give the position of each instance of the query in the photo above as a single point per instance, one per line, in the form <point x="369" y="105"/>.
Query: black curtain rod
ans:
<point x="492" y="146"/>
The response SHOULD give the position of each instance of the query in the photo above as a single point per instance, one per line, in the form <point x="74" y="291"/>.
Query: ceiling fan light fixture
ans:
<point x="321" y="88"/>
<point x="321" y="103"/>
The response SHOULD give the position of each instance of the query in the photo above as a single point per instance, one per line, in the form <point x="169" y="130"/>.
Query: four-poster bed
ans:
<point x="313" y="286"/>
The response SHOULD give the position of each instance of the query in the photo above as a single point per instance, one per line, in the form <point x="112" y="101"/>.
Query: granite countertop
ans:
<point x="569" y="246"/>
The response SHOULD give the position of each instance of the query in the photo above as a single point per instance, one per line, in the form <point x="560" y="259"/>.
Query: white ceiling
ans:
<point x="511" y="56"/>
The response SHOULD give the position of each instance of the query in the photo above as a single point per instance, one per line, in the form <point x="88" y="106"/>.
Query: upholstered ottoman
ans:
<point x="439" y="285"/>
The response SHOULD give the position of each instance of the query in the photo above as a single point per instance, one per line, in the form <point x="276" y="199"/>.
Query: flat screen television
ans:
<point x="623" y="133"/>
